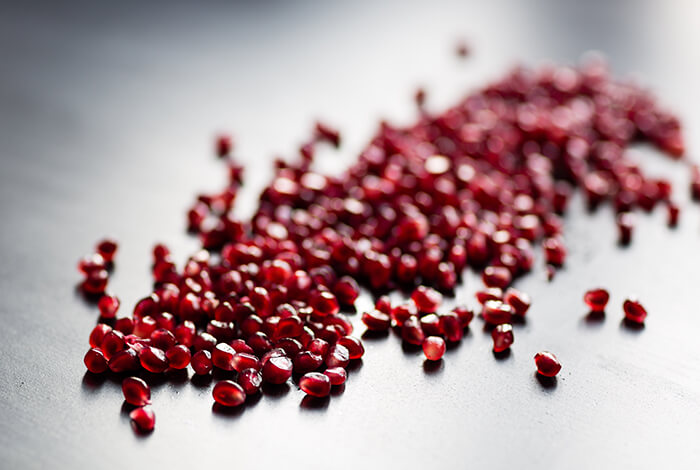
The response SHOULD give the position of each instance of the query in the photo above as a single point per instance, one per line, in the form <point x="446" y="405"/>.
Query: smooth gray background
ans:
<point x="107" y="112"/>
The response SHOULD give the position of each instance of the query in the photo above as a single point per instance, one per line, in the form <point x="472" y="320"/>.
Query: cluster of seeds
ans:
<point x="480" y="185"/>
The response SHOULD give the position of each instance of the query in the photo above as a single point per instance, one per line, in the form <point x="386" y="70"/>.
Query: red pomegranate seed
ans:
<point x="153" y="359"/>
<point x="178" y="356"/>
<point x="98" y="333"/>
<point x="451" y="326"/>
<point x="242" y="361"/>
<point x="465" y="315"/>
<point x="547" y="364"/>
<point x="383" y="304"/>
<point x="634" y="311"/>
<point x="491" y="293"/>
<point x="430" y="324"/>
<point x="107" y="248"/>
<point x="412" y="332"/>
<point x="95" y="282"/>
<point x="554" y="251"/>
<point x="338" y="356"/>
<point x="496" y="312"/>
<point x="434" y="348"/>
<point x="673" y="214"/>
<point x="337" y="375"/>
<point x="201" y="362"/>
<point x="112" y="343"/>
<point x="95" y="361"/>
<point x="163" y="339"/>
<point x="354" y="346"/>
<point x="250" y="380"/>
<point x="224" y="145"/>
<point x="346" y="290"/>
<point x="328" y="134"/>
<point x="124" y="361"/>
<point x="91" y="263"/>
<point x="502" y="337"/>
<point x="136" y="391"/>
<point x="625" y="224"/>
<point x="228" y="393"/>
<point x="277" y="369"/>
<point x="496" y="276"/>
<point x="222" y="356"/>
<point x="108" y="305"/>
<point x="324" y="303"/>
<point x="124" y="325"/>
<point x="306" y="361"/>
<point x="376" y="320"/>
<point x="319" y="346"/>
<point x="315" y="384"/>
<point x="143" y="419"/>
<point x="519" y="301"/>
<point x="426" y="299"/>
<point x="596" y="299"/>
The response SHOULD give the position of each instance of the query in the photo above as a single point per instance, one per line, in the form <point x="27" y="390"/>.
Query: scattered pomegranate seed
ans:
<point x="153" y="359"/>
<point x="496" y="312"/>
<point x="426" y="299"/>
<point x="228" y="393"/>
<point x="327" y="133"/>
<point x="201" y="362"/>
<point x="124" y="361"/>
<point x="625" y="224"/>
<point x="107" y="248"/>
<point x="634" y="311"/>
<point x="108" y="305"/>
<point x="496" y="276"/>
<point x="224" y="145"/>
<point x="338" y="356"/>
<point x="98" y="333"/>
<point x="250" y="380"/>
<point x="91" y="263"/>
<point x="376" y="320"/>
<point x="315" y="384"/>
<point x="95" y="361"/>
<point x="673" y="213"/>
<point x="451" y="326"/>
<point x="412" y="332"/>
<point x="337" y="375"/>
<point x="547" y="364"/>
<point x="465" y="315"/>
<point x="596" y="299"/>
<point x="502" y="337"/>
<point x="136" y="391"/>
<point x="434" y="348"/>
<point x="222" y="356"/>
<point x="242" y="361"/>
<point x="277" y="369"/>
<point x="178" y="356"/>
<point x="519" y="301"/>
<point x="143" y="419"/>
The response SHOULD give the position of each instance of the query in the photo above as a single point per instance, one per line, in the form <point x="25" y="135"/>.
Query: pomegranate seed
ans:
<point x="95" y="361"/>
<point x="125" y="325"/>
<point x="178" y="356"/>
<point x="383" y="304"/>
<point x="95" y="282"/>
<point x="328" y="134"/>
<point x="554" y="251"/>
<point x="319" y="346"/>
<point x="426" y="299"/>
<point x="625" y="224"/>
<point x="337" y="375"/>
<point x="136" y="391"/>
<point x="153" y="359"/>
<point x="519" y="301"/>
<point x="465" y="315"/>
<point x="98" y="333"/>
<point x="112" y="343"/>
<point x="241" y="347"/>
<point x="315" y="384"/>
<point x="596" y="299"/>
<point x="412" y="332"/>
<point x="491" y="293"/>
<point x="201" y="362"/>
<point x="354" y="346"/>
<point x="108" y="305"/>
<point x="107" y="248"/>
<point x="143" y="419"/>
<point x="502" y="337"/>
<point x="277" y="370"/>
<point x="124" y="361"/>
<point x="673" y="213"/>
<point x="242" y="361"/>
<point x="163" y="339"/>
<point x="250" y="380"/>
<point x="376" y="320"/>
<point x="451" y="326"/>
<point x="224" y="145"/>
<point x="324" y="303"/>
<point x="338" y="356"/>
<point x="430" y="324"/>
<point x="222" y="356"/>
<point x="346" y="290"/>
<point x="228" y="393"/>
<point x="92" y="263"/>
<point x="547" y="364"/>
<point x="496" y="312"/>
<point x="434" y="348"/>
<point x="306" y="361"/>
<point x="634" y="311"/>
<point x="496" y="276"/>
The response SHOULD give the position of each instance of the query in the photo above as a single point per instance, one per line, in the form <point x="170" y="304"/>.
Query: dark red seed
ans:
<point x="315" y="384"/>
<point x="250" y="380"/>
<point x="324" y="303"/>
<point x="354" y="346"/>
<point x="241" y="347"/>
<point x="277" y="369"/>
<point x="346" y="290"/>
<point x="178" y="356"/>
<point x="136" y="391"/>
<point x="554" y="251"/>
<point x="153" y="359"/>
<point x="201" y="362"/>
<point x="520" y="301"/>
<point x="502" y="337"/>
<point x="98" y="333"/>
<point x="328" y="134"/>
<point x="383" y="304"/>
<point x="143" y="419"/>
<point x="107" y="248"/>
<point x="434" y="348"/>
<point x="163" y="339"/>
<point x="289" y="345"/>
<point x="465" y="315"/>
<point x="144" y="327"/>
<point x="112" y="343"/>
<point x="185" y="333"/>
<point x="204" y="341"/>
<point x="403" y="312"/>
<point x="496" y="312"/>
<point x="673" y="213"/>
<point x="95" y="361"/>
<point x="108" y="305"/>
<point x="430" y="324"/>
<point x="125" y="325"/>
<point x="451" y="326"/>
<point x="412" y="332"/>
<point x="337" y="375"/>
<point x="319" y="346"/>
<point x="124" y="361"/>
<point x="91" y="263"/>
<point x="426" y="299"/>
<point x="306" y="361"/>
<point x="376" y="320"/>
<point x="95" y="282"/>
<point x="596" y="299"/>
<point x="224" y="145"/>
<point x="491" y="293"/>
<point x="547" y="364"/>
<point x="496" y="276"/>
<point x="228" y="393"/>
<point x="242" y="361"/>
<point x="289" y="327"/>
<point x="338" y="356"/>
<point x="222" y="356"/>
<point x="634" y="311"/>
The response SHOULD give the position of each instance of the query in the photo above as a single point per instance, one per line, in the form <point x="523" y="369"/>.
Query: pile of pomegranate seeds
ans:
<point x="482" y="184"/>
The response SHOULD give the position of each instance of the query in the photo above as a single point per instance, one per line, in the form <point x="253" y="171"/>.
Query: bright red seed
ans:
<point x="315" y="384"/>
<point x="502" y="337"/>
<point x="136" y="391"/>
<point x="337" y="375"/>
<point x="108" y="305"/>
<point x="250" y="380"/>
<point x="153" y="359"/>
<point x="201" y="362"/>
<point x="143" y="419"/>
<point x="107" y="248"/>
<point x="95" y="361"/>
<point x="491" y="293"/>
<point x="242" y="361"/>
<point x="228" y="393"/>
<point x="426" y="299"/>
<point x="496" y="276"/>
<point x="465" y="315"/>
<point x="95" y="282"/>
<point x="496" y="312"/>
<point x="91" y="263"/>
<point x="547" y="364"/>
<point x="554" y="251"/>
<point x="306" y="361"/>
<point x="224" y="145"/>
<point x="634" y="311"/>
<point x="451" y="326"/>
<point x="625" y="225"/>
<point x="277" y="369"/>
<point x="434" y="348"/>
<point x="346" y="290"/>
<point x="412" y="332"/>
<point x="338" y="356"/>
<point x="518" y="300"/>
<point x="124" y="361"/>
<point x="178" y="356"/>
<point x="112" y="343"/>
<point x="354" y="346"/>
<point x="222" y="356"/>
<point x="596" y="299"/>
<point x="98" y="333"/>
<point x="376" y="320"/>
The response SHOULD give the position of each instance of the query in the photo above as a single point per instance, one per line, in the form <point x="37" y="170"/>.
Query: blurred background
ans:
<point x="107" y="118"/>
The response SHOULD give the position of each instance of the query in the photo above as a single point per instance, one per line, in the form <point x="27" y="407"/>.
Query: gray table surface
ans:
<point x="107" y="113"/>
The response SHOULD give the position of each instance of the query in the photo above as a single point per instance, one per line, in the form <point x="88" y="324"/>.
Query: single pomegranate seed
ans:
<point x="95" y="282"/>
<point x="337" y="375"/>
<point x="673" y="213"/>
<point x="383" y="304"/>
<point x="136" y="391"/>
<point x="228" y="393"/>
<point x="430" y="324"/>
<point x="153" y="359"/>
<point x="451" y="326"/>
<point x="91" y="263"/>
<point x="107" y="248"/>
<point x="554" y="251"/>
<point x="163" y="339"/>
<point x="547" y="364"/>
<point x="426" y="299"/>
<point x="241" y="347"/>
<point x="625" y="224"/>
<point x="277" y="370"/>
<point x="412" y="332"/>
<point x="224" y="145"/>
<point x="354" y="346"/>
<point x="204" y="341"/>
<point x="324" y="303"/>
<point x="596" y="299"/>
<point x="178" y="356"/>
<point x="222" y="356"/>
<point x="328" y="134"/>
<point x="338" y="356"/>
<point x="201" y="362"/>
<point x="250" y="380"/>
<point x="98" y="333"/>
<point x="434" y="348"/>
<point x="496" y="276"/>
<point x="108" y="305"/>
<point x="465" y="315"/>
<point x="519" y="301"/>
<point x="491" y="293"/>
<point x="319" y="346"/>
<point x="306" y="361"/>
<point x="242" y="361"/>
<point x="124" y="361"/>
<point x="496" y="312"/>
<point x="346" y="290"/>
<point x="315" y="384"/>
<point x="95" y="361"/>
<point x="124" y="325"/>
<point x="143" y="419"/>
<point x="634" y="311"/>
<point x="112" y="343"/>
<point x="502" y="337"/>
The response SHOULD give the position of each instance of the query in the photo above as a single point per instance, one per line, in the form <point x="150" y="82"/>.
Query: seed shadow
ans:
<point x="87" y="298"/>
<point x="254" y="399"/>
<point x="409" y="348"/>
<point x="309" y="403"/>
<point x="371" y="335"/>
<point x="275" y="391"/>
<point x="594" y="318"/>
<point x="140" y="433"/>
<point x="92" y="382"/>
<point x="518" y="321"/>
<point x="631" y="326"/>
<point x="501" y="355"/>
<point x="354" y="365"/>
<point x="227" y="411"/>
<point x="452" y="345"/>
<point x="127" y="408"/>
<point x="547" y="383"/>
<point x="201" y="381"/>
<point x="220" y="374"/>
<point x="337" y="390"/>
<point x="433" y="367"/>
<point x="177" y="377"/>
